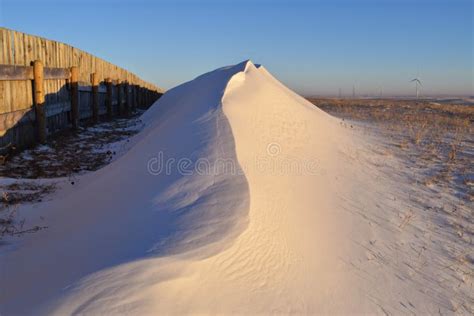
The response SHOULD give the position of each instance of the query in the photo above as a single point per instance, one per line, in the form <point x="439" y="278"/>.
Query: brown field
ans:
<point x="436" y="140"/>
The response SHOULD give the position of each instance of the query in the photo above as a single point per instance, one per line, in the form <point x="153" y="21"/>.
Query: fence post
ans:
<point x="95" y="97"/>
<point x="127" y="98"/>
<point x="38" y="82"/>
<point x="108" y="103"/>
<point x="119" y="98"/>
<point x="75" y="97"/>
<point x="134" y="97"/>
<point x="137" y="90"/>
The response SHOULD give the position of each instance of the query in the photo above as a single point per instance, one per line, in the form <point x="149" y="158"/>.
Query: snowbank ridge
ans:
<point x="239" y="196"/>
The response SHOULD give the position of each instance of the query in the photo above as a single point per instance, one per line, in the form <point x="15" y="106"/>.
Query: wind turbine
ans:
<point x="417" y="82"/>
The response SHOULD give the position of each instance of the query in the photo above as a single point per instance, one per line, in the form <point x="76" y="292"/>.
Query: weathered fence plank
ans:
<point x="13" y="73"/>
<point x="127" y="97"/>
<point x="56" y="73"/>
<point x="95" y="97"/>
<point x="119" y="99"/>
<point x="109" y="99"/>
<point x="74" y="97"/>
<point x="23" y="73"/>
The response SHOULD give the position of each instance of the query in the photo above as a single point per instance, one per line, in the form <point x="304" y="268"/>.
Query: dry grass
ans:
<point x="10" y="225"/>
<point x="437" y="138"/>
<point x="23" y="192"/>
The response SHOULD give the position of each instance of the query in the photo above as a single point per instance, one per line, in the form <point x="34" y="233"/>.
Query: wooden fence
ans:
<point x="46" y="86"/>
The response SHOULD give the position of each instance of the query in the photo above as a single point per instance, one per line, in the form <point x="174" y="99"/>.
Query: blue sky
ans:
<point x="315" y="47"/>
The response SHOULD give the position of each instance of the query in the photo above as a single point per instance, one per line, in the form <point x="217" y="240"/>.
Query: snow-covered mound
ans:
<point x="238" y="197"/>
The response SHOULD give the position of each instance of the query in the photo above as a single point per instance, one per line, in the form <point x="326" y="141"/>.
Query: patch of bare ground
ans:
<point x="66" y="154"/>
<point x="70" y="152"/>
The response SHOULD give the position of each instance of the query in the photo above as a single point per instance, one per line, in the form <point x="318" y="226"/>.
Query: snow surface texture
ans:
<point x="301" y="221"/>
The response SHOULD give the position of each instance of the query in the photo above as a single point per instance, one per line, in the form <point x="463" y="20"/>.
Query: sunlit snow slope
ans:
<point x="269" y="214"/>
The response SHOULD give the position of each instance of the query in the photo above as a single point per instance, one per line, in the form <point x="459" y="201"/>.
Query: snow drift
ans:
<point x="239" y="196"/>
